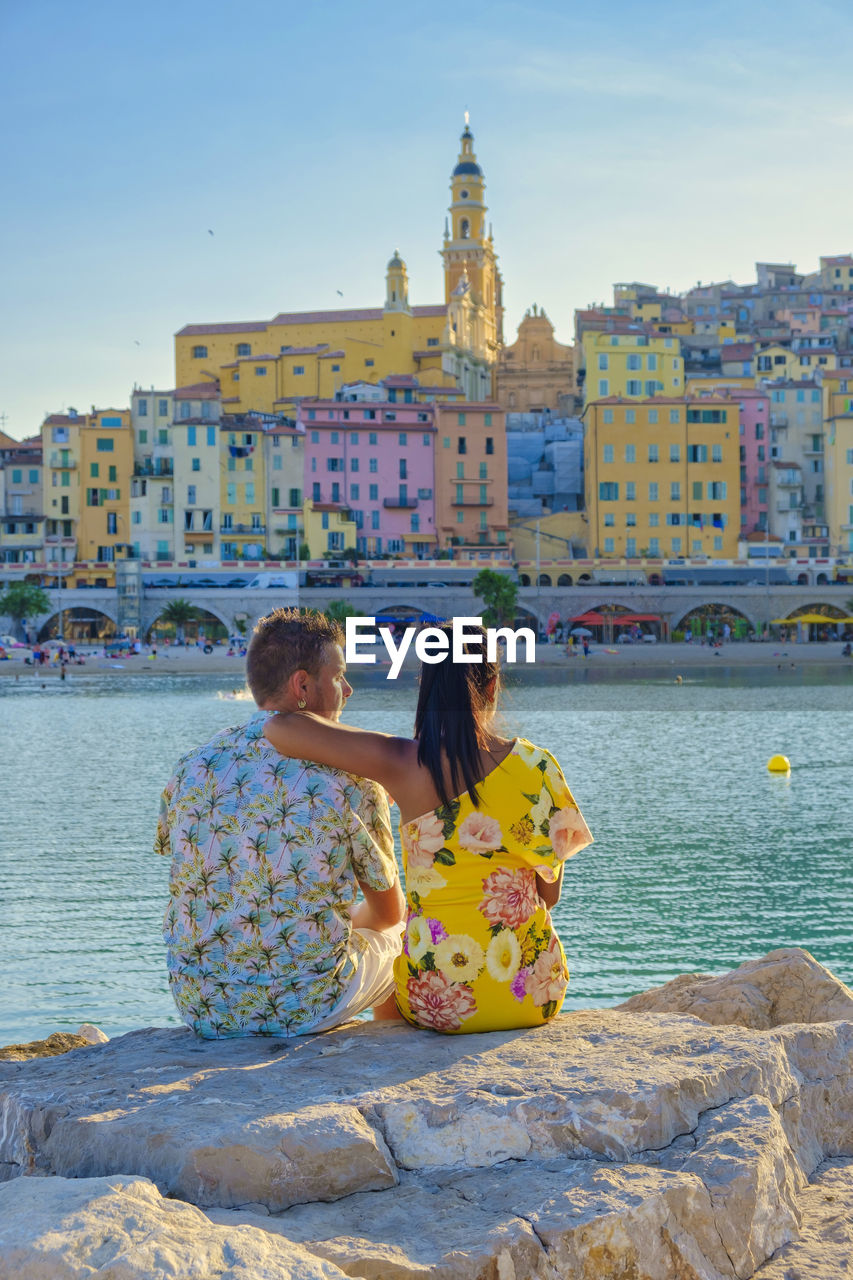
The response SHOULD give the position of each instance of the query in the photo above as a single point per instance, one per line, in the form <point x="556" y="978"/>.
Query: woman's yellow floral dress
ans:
<point x="480" y="952"/>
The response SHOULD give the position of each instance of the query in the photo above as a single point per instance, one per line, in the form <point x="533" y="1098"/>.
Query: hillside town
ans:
<point x="712" y="426"/>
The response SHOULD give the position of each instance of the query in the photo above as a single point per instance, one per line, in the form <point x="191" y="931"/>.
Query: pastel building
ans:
<point x="242" y="490"/>
<point x="22" y="521"/>
<point x="754" y="455"/>
<point x="471" y="507"/>
<point x="284" y="467"/>
<point x="838" y="419"/>
<point x="662" y="477"/>
<point x="797" y="440"/>
<point x="374" y="460"/>
<point x="630" y="365"/>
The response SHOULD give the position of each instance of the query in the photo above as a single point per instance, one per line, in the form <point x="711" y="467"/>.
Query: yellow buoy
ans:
<point x="779" y="764"/>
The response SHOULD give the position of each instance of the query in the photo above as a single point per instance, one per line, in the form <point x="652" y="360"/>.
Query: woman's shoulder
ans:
<point x="533" y="756"/>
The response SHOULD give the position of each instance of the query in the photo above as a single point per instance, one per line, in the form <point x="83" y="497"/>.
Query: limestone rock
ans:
<point x="92" y="1034"/>
<point x="56" y="1043"/>
<point x="824" y="1250"/>
<point x="785" y="986"/>
<point x="56" y="1229"/>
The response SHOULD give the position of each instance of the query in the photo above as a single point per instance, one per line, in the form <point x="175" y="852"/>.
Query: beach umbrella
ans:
<point x="580" y="631"/>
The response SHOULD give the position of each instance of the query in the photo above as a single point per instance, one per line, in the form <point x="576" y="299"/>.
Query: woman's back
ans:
<point x="480" y="952"/>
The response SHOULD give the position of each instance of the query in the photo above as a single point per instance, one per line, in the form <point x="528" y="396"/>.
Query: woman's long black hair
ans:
<point x="454" y="706"/>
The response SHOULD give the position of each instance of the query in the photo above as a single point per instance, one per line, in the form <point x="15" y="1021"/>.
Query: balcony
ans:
<point x="199" y="533"/>
<point x="62" y="462"/>
<point x="408" y="504"/>
<point x="258" y="529"/>
<point x="813" y="453"/>
<point x="783" y="507"/>
<point x="789" y="480"/>
<point x="162" y="468"/>
<point x="778" y="419"/>
<point x="474" y="502"/>
<point x="59" y="540"/>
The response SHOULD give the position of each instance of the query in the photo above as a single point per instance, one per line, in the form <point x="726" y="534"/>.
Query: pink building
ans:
<point x="375" y="458"/>
<point x="755" y="455"/>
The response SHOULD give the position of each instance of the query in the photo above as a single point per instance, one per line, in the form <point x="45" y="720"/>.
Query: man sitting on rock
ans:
<point x="268" y="854"/>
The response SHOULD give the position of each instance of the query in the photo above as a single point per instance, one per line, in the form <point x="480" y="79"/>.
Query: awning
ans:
<point x="808" y="618"/>
<point x="635" y="617"/>
<point x="591" y="619"/>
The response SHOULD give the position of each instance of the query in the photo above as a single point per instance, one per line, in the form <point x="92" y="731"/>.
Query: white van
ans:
<point x="274" y="582"/>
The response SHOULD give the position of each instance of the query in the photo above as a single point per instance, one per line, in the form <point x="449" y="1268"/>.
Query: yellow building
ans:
<point x="242" y="492"/>
<point x="88" y="465"/>
<point x="329" y="529"/>
<point x="662" y="477"/>
<point x="707" y="384"/>
<point x="838" y="458"/>
<point x="272" y="365"/>
<point x="630" y="365"/>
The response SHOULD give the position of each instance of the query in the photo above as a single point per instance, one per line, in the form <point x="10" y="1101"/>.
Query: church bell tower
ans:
<point x="468" y="249"/>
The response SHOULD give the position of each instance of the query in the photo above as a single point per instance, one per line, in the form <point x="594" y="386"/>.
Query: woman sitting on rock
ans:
<point x="486" y="825"/>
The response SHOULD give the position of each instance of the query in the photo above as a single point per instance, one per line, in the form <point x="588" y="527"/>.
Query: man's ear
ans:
<point x="299" y="686"/>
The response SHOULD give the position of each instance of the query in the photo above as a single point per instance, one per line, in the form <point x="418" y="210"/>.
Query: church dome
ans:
<point x="396" y="262"/>
<point x="467" y="166"/>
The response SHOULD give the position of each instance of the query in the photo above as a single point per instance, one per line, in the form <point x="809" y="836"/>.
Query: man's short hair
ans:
<point x="287" y="641"/>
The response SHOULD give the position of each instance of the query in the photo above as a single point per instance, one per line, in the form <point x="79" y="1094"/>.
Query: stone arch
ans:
<point x="564" y="580"/>
<point x="210" y="613"/>
<point x="832" y="612"/>
<point x="524" y="579"/>
<point x="710" y="617"/>
<point x="80" y="623"/>
<point x="545" y="580"/>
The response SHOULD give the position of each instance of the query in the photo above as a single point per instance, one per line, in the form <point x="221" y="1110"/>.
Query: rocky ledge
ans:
<point x="634" y="1142"/>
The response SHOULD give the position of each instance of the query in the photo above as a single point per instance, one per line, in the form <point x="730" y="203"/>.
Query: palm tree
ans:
<point x="179" y="612"/>
<point x="339" y="611"/>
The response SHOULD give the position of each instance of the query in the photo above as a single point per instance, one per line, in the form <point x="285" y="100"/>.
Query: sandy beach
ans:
<point x="621" y="661"/>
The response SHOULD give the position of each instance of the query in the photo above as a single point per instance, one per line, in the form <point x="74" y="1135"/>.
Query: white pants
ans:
<point x="373" y="980"/>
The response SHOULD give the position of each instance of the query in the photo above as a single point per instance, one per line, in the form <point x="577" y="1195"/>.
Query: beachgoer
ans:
<point x="486" y="825"/>
<point x="268" y="854"/>
<point x="586" y="646"/>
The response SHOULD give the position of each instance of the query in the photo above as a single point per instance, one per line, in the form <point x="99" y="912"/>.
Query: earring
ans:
<point x="302" y="704"/>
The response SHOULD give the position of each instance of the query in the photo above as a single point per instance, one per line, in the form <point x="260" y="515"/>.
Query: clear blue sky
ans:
<point x="666" y="143"/>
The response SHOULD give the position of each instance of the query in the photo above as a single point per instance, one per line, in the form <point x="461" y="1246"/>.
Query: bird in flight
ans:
<point x="338" y="292"/>
<point x="209" y="232"/>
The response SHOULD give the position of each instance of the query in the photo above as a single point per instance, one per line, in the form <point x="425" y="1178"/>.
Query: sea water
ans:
<point x="702" y="859"/>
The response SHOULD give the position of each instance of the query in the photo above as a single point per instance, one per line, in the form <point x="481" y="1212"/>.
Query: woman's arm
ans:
<point x="307" y="736"/>
<point x="550" y="893"/>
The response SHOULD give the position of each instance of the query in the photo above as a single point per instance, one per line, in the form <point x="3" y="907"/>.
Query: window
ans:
<point x="324" y="519"/>
<point x="66" y="480"/>
<point x="603" y="362"/>
<point x="635" y="362"/>
<point x="136" y="517"/>
<point x="630" y="546"/>
<point x="490" y="444"/>
<point x="274" y="497"/>
<point x="374" y="519"/>
<point x="211" y="435"/>
<point x="674" y="416"/>
<point x="603" y="387"/>
<point x="231" y="494"/>
<point x="191" y="492"/>
<point x="105" y="444"/>
<point x="143" y="437"/>
<point x="460" y="471"/>
<point x="250" y="492"/>
<point x="277" y="464"/>
<point x="445" y="443"/>
<point x="261" y="371"/>
<point x="191" y="437"/>
<point x="353" y="493"/>
<point x="608" y="491"/>
<point x="199" y="353"/>
<point x="402" y="438"/>
<point x="353" y="464"/>
<point x="654" y="546"/>
<point x="373" y="437"/>
<point x="608" y="546"/>
<point x="460" y="494"/>
<point x="651" y="363"/>
<point x="653" y="491"/>
<point x="653" y="453"/>
<point x="354" y="437"/>
<point x="94" y="469"/>
<point x="374" y="493"/>
<point x="630" y="453"/>
<point x="484" y="493"/>
<point x="716" y="453"/>
<point x="607" y="417"/>
<point x="675" y="518"/>
<point x="244" y="348"/>
<point x="484" y="471"/>
<point x="295" y="498"/>
<point x="368" y="364"/>
<point x="162" y="408"/>
<point x="249" y="464"/>
<point x="607" y="453"/>
<point x="460" y="419"/>
<point x="165" y="515"/>
<point x="403" y="475"/>
<point x="487" y="419"/>
<point x="142" y="408"/>
<point x="630" y="491"/>
<point x="634" y="387"/>
<point x="315" y="491"/>
<point x="674" y="453"/>
<point x="432" y="342"/>
<point x="185" y="411"/>
<point x="676" y="546"/>
<point x="654" y="519"/>
<point x="675" y="491"/>
<point x="631" y="519"/>
<point x="461" y="445"/>
<point x="631" y="415"/>
<point x="717" y="490"/>
<point x="697" y="453"/>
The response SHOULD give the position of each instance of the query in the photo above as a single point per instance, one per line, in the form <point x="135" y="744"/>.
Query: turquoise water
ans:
<point x="702" y="859"/>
